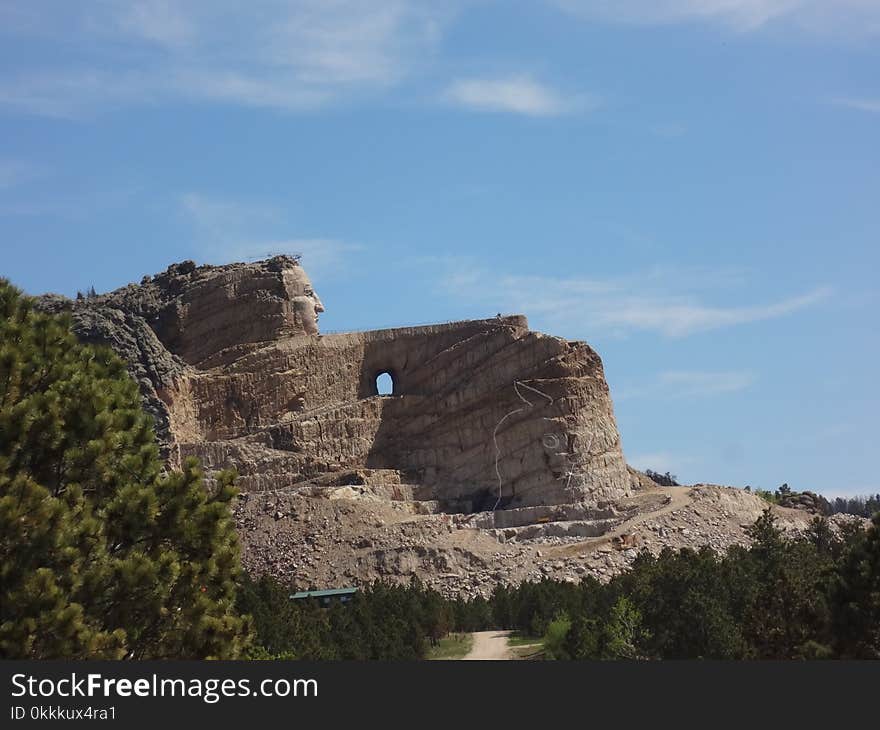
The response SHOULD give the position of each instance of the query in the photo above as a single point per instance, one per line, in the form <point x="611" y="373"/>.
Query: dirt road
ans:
<point x="679" y="498"/>
<point x="490" y="645"/>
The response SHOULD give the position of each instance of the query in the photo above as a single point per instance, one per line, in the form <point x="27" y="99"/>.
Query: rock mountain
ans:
<point x="495" y="458"/>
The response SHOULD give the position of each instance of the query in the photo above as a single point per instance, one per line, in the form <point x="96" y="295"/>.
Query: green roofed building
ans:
<point x="328" y="597"/>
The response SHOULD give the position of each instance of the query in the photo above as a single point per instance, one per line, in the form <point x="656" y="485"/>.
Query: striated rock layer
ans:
<point x="484" y="414"/>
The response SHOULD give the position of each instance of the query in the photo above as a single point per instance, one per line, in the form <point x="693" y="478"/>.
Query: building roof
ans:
<point x="322" y="594"/>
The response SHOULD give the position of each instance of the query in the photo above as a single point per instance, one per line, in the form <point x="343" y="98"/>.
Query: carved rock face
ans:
<point x="306" y="304"/>
<point x="485" y="413"/>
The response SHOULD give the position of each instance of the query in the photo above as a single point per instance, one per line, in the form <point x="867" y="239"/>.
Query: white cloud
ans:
<point x="820" y="16"/>
<point x="283" y="55"/>
<point x="75" y="94"/>
<point x="664" y="301"/>
<point x="71" y="204"/>
<point x="217" y="216"/>
<point x="159" y="21"/>
<point x="515" y="94"/>
<point x="678" y="318"/>
<point x="230" y="230"/>
<point x="320" y="256"/>
<point x="676" y="384"/>
<point x="858" y="490"/>
<point x="695" y="383"/>
<point x="660" y="461"/>
<point x="864" y="105"/>
<point x="740" y="13"/>
<point x="669" y="130"/>
<point x="14" y="173"/>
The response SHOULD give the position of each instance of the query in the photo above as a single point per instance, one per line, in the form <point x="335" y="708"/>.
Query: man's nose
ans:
<point x="319" y="306"/>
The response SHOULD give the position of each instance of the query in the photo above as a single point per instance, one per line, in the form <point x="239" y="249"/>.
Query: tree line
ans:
<point x="812" y="597"/>
<point x="382" y="621"/>
<point x="860" y="506"/>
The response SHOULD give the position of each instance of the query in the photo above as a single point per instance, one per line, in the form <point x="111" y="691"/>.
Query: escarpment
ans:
<point x="483" y="413"/>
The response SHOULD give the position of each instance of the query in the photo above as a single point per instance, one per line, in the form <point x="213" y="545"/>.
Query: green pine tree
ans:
<point x="102" y="555"/>
<point x="855" y="598"/>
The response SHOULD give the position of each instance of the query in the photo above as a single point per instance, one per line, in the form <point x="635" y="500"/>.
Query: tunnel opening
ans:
<point x="384" y="383"/>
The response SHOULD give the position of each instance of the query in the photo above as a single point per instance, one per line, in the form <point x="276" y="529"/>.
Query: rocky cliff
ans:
<point x="484" y="414"/>
<point x="166" y="325"/>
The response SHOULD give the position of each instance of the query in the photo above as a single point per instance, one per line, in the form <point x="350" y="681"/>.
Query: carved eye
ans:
<point x="550" y="441"/>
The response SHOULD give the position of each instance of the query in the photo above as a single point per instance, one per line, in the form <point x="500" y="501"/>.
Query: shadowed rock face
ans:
<point x="177" y="318"/>
<point x="484" y="413"/>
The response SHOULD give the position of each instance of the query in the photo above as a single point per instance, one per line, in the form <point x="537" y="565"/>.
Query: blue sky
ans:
<point x="692" y="186"/>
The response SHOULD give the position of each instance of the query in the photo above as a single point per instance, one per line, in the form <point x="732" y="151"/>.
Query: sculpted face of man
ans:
<point x="306" y="304"/>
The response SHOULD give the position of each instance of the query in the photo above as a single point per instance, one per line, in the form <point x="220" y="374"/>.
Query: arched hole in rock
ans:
<point x="384" y="383"/>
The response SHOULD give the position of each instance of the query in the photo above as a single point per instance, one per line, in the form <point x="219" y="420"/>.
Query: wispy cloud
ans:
<point x="862" y="105"/>
<point x="320" y="256"/>
<point x="514" y="94"/>
<point x="857" y="490"/>
<point x="683" y="383"/>
<point x="158" y="21"/>
<point x="660" y="461"/>
<point x="217" y="216"/>
<point x="233" y="230"/>
<point x="677" y="384"/>
<point x="664" y="301"/>
<point x="669" y="130"/>
<point x="284" y="55"/>
<point x="15" y="172"/>
<point x="818" y="16"/>
<point x="678" y="318"/>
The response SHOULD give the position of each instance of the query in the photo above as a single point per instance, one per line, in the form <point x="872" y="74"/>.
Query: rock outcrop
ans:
<point x="484" y="414"/>
<point x="810" y="502"/>
<point x="170" y="322"/>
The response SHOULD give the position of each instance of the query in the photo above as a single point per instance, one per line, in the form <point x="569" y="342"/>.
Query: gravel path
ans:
<point x="679" y="498"/>
<point x="490" y="645"/>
